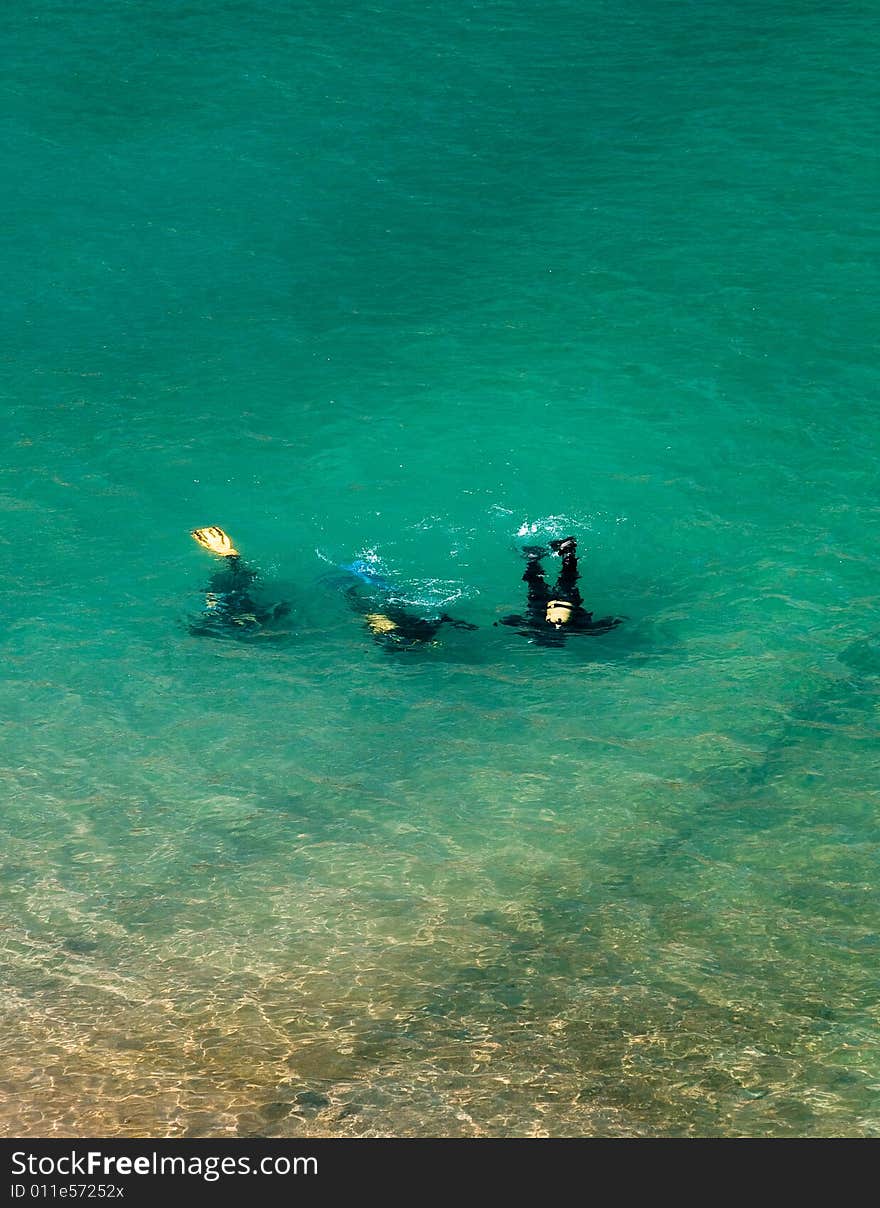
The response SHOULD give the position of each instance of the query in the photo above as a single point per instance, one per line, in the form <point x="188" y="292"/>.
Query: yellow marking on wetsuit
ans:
<point x="558" y="612"/>
<point x="215" y="541"/>
<point x="379" y="623"/>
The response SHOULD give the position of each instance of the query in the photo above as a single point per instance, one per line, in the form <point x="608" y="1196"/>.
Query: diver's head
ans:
<point x="215" y="541"/>
<point x="558" y="612"/>
<point x="378" y="623"/>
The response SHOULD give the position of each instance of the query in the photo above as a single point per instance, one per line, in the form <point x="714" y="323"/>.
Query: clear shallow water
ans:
<point x="410" y="282"/>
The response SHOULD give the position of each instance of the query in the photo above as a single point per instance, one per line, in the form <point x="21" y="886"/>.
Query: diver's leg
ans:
<point x="242" y="575"/>
<point x="230" y="598"/>
<point x="233" y="578"/>
<point x="538" y="591"/>
<point x="566" y="583"/>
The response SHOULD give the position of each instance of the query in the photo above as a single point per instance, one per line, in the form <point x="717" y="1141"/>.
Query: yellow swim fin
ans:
<point x="215" y="541"/>
<point x="379" y="623"/>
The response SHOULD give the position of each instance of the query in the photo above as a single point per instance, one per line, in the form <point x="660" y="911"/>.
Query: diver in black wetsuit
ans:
<point x="230" y="607"/>
<point x="395" y="628"/>
<point x="553" y="616"/>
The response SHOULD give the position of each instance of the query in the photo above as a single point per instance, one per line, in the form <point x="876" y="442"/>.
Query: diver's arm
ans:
<point x="585" y="624"/>
<point x="356" y="600"/>
<point x="604" y="624"/>
<point x="446" y="619"/>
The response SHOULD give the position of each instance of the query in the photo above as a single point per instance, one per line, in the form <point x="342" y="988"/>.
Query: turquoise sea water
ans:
<point x="423" y="283"/>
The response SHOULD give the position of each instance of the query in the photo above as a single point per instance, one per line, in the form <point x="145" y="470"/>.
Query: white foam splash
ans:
<point x="552" y="526"/>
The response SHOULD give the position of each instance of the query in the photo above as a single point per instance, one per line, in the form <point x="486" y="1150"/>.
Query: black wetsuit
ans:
<point x="230" y="607"/>
<point x="404" y="630"/>
<point x="534" y="624"/>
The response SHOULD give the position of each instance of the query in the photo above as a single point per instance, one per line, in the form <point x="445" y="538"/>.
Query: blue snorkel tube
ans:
<point x="367" y="574"/>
